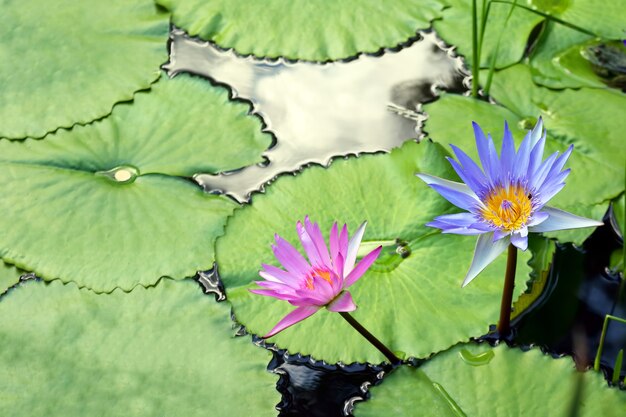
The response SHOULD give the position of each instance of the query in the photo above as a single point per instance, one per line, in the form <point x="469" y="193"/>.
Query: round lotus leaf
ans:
<point x="9" y="276"/>
<point x="604" y="19"/>
<point x="478" y="380"/>
<point x="304" y="29"/>
<point x="110" y="204"/>
<point x="69" y="62"/>
<point x="411" y="298"/>
<point x="566" y="121"/>
<point x="561" y="59"/>
<point x="455" y="27"/>
<point x="166" y="350"/>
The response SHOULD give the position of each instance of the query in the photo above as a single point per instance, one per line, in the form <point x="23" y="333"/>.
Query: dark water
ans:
<point x="320" y="111"/>
<point x="581" y="290"/>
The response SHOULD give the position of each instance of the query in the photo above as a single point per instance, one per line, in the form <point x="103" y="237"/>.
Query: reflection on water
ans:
<point x="318" y="111"/>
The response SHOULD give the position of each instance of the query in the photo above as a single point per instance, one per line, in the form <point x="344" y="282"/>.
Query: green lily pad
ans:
<point x="414" y="304"/>
<point x="455" y="28"/>
<point x="9" y="276"/>
<point x="167" y="350"/>
<point x="477" y="380"/>
<point x="302" y="29"/>
<point x="110" y="205"/>
<point x="558" y="59"/>
<point x="72" y="62"/>
<point x="605" y="19"/>
<point x="569" y="116"/>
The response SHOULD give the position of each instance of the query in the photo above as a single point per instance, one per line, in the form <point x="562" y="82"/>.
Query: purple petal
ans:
<point x="292" y="318"/>
<point x="560" y="162"/>
<point x="459" y="223"/>
<point x="541" y="173"/>
<point x="499" y="234"/>
<point x="342" y="303"/>
<point x="507" y="154"/>
<point x="353" y="247"/>
<point x="459" y="199"/>
<point x="316" y="236"/>
<point x="537" y="133"/>
<point x="536" y="154"/>
<point x="470" y="173"/>
<point x="519" y="241"/>
<point x="456" y="186"/>
<point x="522" y="159"/>
<point x="561" y="220"/>
<point x="486" y="252"/>
<point x="538" y="218"/>
<point x="486" y="153"/>
<point x="361" y="267"/>
<point x="289" y="257"/>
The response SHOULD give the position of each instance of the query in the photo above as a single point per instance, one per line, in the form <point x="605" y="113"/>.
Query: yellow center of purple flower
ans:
<point x="507" y="208"/>
<point x="325" y="274"/>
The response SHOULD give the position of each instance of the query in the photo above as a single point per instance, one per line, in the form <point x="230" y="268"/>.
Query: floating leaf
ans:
<point x="477" y="380"/>
<point x="109" y="204"/>
<point x="604" y="19"/>
<point x="9" y="276"/>
<point x="411" y="298"/>
<point x="455" y="28"/>
<point x="558" y="60"/>
<point x="302" y="29"/>
<point x="569" y="116"/>
<point x="167" y="350"/>
<point x="71" y="62"/>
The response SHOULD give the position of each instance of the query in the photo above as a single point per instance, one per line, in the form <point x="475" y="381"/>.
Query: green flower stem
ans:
<point x="476" y="63"/>
<point x="492" y="64"/>
<point x="596" y="363"/>
<point x="504" y="324"/>
<point x="372" y="339"/>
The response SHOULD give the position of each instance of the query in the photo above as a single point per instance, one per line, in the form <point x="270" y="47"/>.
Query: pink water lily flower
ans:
<point x="320" y="282"/>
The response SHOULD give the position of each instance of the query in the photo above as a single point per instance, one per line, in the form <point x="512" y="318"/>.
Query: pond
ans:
<point x="158" y="155"/>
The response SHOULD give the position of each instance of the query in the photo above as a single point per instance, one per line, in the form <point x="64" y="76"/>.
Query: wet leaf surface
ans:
<point x="301" y="29"/>
<point x="477" y="380"/>
<point x="110" y="204"/>
<point x="72" y="62"/>
<point x="153" y="351"/>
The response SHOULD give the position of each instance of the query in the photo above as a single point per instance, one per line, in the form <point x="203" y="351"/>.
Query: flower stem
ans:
<point x="475" y="51"/>
<point x="371" y="338"/>
<point x="504" y="324"/>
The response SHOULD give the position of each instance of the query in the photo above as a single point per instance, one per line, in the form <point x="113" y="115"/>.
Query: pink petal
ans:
<point x="271" y="293"/>
<point x="309" y="247"/>
<point x="343" y="241"/>
<point x="342" y="303"/>
<point x="289" y="257"/>
<point x="324" y="289"/>
<point x="279" y="287"/>
<point x="317" y="238"/>
<point x="353" y="247"/>
<point x="361" y="267"/>
<point x="275" y="274"/>
<point x="292" y="318"/>
<point x="339" y="265"/>
<point x="334" y="242"/>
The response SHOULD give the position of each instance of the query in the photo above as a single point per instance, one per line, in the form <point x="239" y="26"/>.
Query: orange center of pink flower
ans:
<point x="507" y="208"/>
<point x="317" y="272"/>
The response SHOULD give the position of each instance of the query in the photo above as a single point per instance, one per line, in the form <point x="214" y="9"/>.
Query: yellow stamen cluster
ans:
<point x="507" y="208"/>
<point x="316" y="272"/>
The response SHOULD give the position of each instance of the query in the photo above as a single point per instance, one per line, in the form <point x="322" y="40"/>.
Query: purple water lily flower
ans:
<point x="505" y="200"/>
<point x="322" y="281"/>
